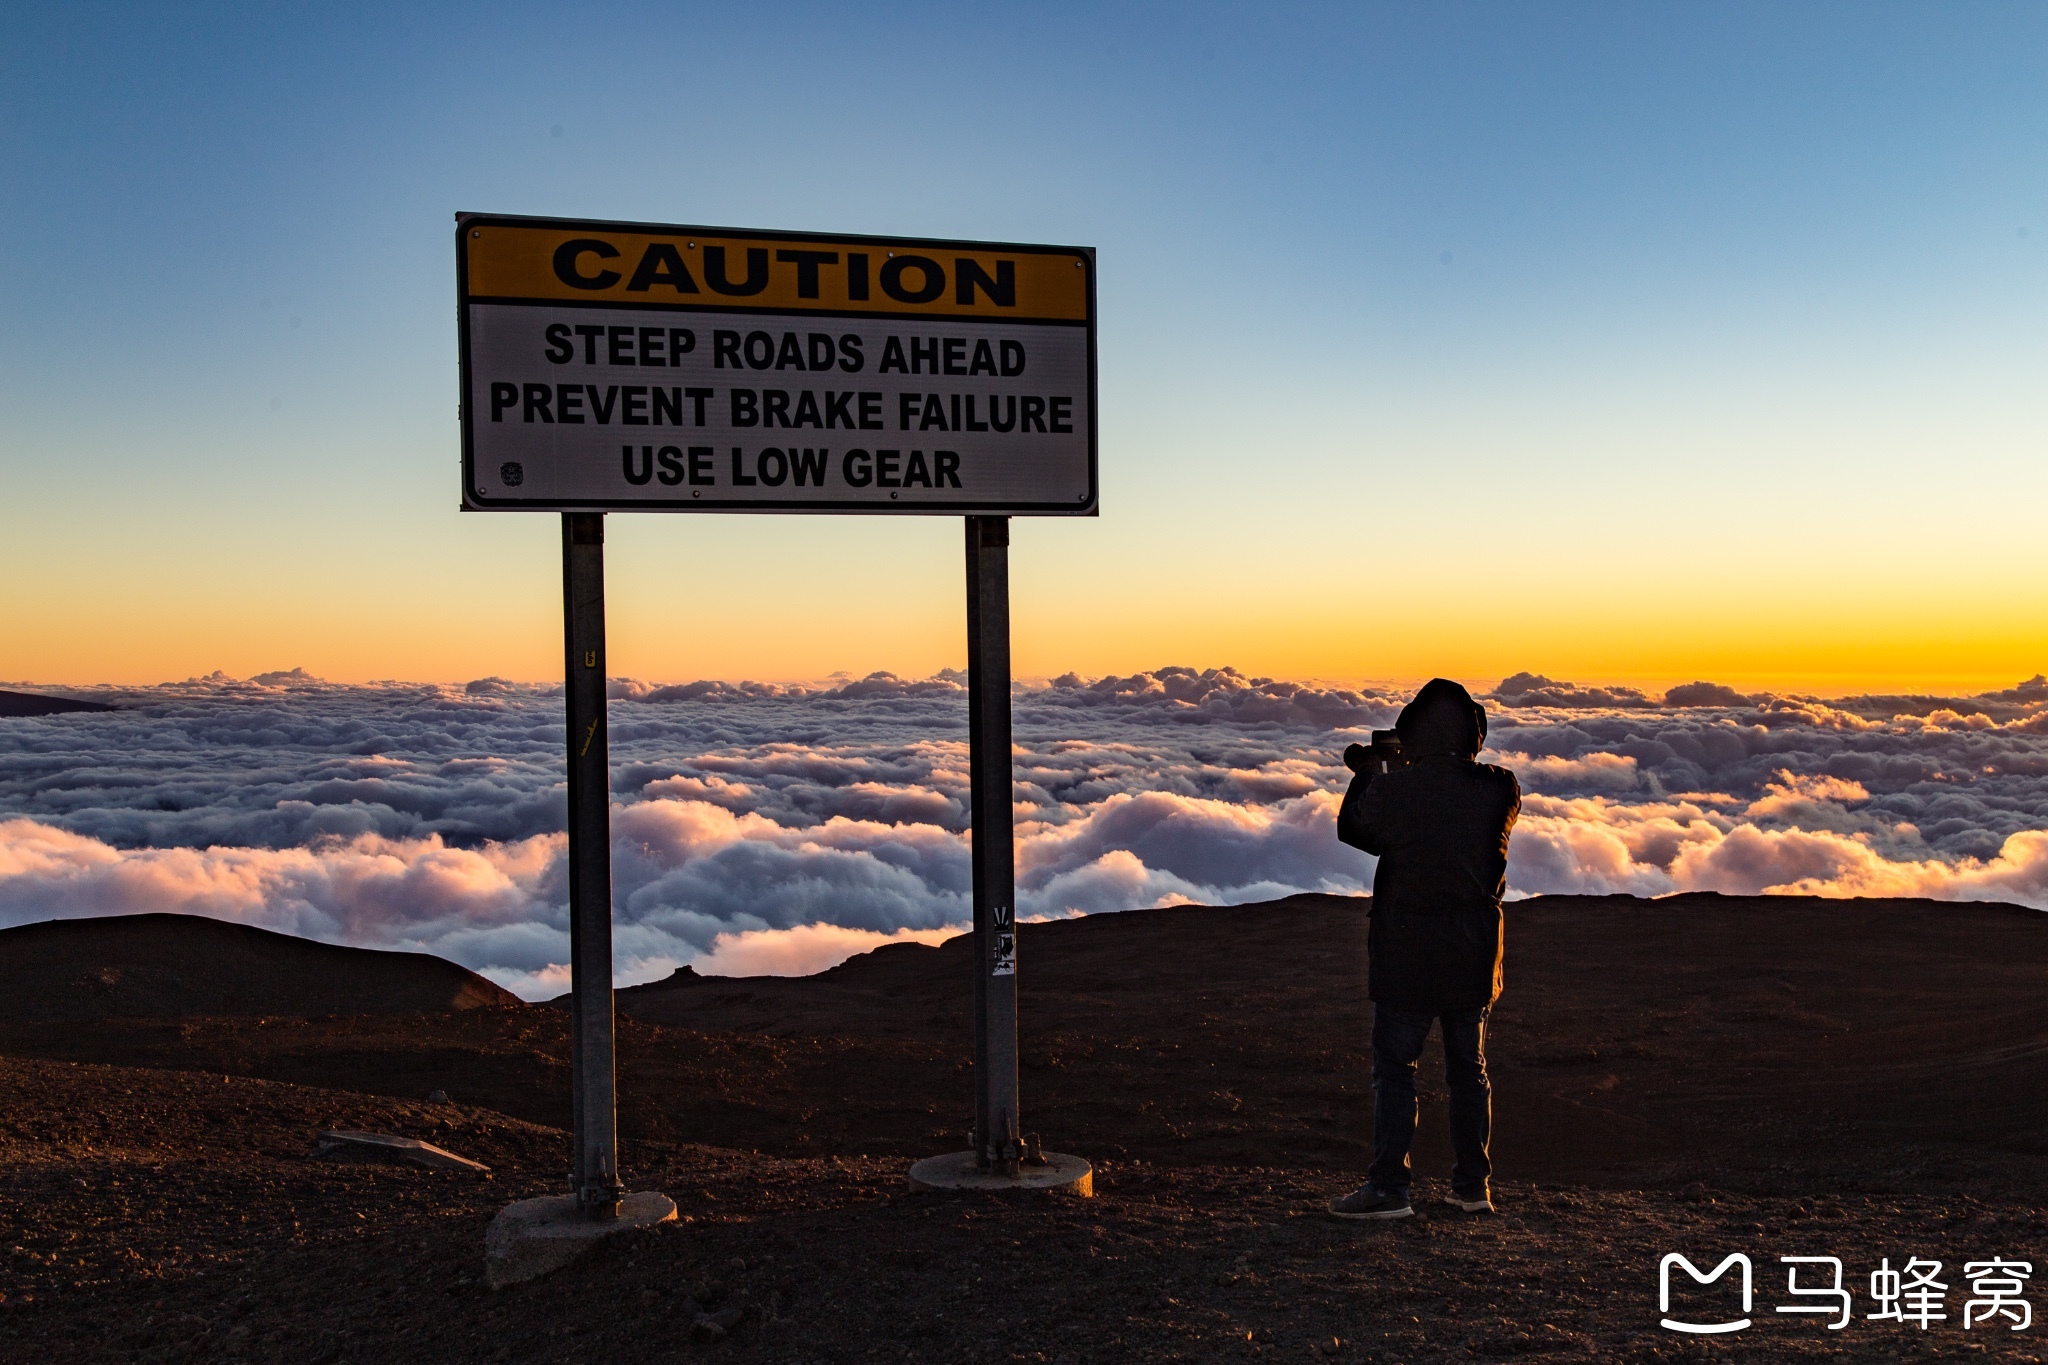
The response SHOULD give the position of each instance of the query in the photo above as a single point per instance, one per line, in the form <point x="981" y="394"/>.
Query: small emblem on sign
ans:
<point x="512" y="473"/>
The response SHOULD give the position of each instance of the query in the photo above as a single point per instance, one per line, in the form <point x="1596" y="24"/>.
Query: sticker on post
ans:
<point x="1003" y="954"/>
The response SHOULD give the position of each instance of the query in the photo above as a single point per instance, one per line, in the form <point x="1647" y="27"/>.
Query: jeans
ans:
<point x="1397" y="1039"/>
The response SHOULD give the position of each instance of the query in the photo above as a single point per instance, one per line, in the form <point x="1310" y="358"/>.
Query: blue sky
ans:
<point x="1664" y="340"/>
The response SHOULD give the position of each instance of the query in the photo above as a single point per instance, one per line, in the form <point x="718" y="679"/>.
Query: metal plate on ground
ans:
<point x="348" y="1143"/>
<point x="1061" y="1174"/>
<point x="529" y="1238"/>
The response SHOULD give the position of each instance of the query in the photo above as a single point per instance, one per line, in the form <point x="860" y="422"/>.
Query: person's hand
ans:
<point x="1358" y="758"/>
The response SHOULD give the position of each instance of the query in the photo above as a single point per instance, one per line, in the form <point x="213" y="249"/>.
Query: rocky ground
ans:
<point x="1751" y="1085"/>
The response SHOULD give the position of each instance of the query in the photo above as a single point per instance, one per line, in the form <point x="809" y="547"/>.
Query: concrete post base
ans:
<point x="534" y="1236"/>
<point x="1061" y="1174"/>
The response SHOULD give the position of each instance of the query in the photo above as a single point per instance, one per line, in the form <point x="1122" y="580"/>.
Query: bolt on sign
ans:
<point x="641" y="367"/>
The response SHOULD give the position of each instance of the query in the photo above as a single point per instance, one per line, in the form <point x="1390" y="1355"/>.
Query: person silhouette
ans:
<point x="1438" y="820"/>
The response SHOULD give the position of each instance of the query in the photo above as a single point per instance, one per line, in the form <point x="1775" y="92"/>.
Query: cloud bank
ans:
<point x="767" y="828"/>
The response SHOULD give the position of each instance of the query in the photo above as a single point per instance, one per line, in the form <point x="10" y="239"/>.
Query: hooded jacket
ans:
<point x="1440" y="829"/>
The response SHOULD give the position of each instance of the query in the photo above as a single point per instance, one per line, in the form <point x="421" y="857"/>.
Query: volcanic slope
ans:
<point x="161" y="966"/>
<point x="1631" y="1032"/>
<point x="39" y="704"/>
<point x="1861" y="1079"/>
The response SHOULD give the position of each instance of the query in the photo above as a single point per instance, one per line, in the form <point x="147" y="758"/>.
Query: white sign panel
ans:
<point x="620" y="367"/>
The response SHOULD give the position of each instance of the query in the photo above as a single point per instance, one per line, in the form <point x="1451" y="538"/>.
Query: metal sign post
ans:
<point x="611" y="367"/>
<point x="998" y="1143"/>
<point x="595" y="1179"/>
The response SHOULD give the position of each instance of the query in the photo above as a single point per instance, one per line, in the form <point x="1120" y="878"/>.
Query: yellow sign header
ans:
<point x="632" y="264"/>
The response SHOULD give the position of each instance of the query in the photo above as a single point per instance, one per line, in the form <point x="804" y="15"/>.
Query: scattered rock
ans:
<point x="1510" y="1344"/>
<point x="713" y="1326"/>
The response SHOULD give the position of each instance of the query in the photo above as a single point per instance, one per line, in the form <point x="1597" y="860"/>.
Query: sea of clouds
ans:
<point x="765" y="828"/>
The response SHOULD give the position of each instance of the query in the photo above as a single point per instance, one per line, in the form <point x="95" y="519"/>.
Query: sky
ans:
<point x="1629" y="344"/>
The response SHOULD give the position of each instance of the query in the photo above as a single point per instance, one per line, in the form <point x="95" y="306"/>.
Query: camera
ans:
<point x="1383" y="755"/>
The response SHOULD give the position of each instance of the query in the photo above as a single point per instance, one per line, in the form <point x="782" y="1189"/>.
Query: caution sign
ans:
<point x="628" y="366"/>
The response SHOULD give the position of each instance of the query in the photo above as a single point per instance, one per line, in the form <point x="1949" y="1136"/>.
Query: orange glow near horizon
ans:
<point x="139" y="639"/>
<point x="442" y="597"/>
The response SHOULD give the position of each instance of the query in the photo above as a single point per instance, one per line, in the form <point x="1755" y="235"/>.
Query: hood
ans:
<point x="1443" y="719"/>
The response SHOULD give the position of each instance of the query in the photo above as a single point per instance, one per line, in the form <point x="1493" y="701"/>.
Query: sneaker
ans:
<point x="1483" y="1204"/>
<point x="1367" y="1202"/>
